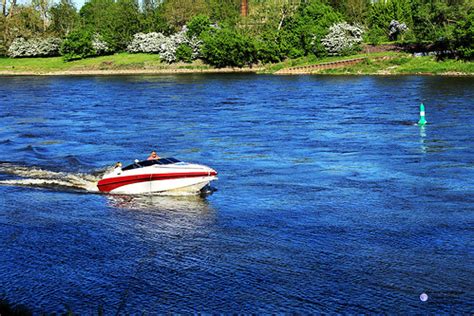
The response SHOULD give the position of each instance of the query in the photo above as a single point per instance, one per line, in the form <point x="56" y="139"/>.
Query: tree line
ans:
<point x="271" y="31"/>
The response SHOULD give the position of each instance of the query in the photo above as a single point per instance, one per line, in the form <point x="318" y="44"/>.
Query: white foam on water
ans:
<point x="37" y="177"/>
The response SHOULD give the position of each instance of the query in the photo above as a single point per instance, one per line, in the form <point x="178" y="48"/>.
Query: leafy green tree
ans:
<point x="64" y="18"/>
<point x="179" y="12"/>
<point x="78" y="45"/>
<point x="271" y="47"/>
<point x="184" y="53"/>
<point x="227" y="48"/>
<point x="302" y="33"/>
<point x="435" y="21"/>
<point x="152" y="18"/>
<point x="464" y="36"/>
<point x="224" y="10"/>
<point x="26" y="23"/>
<point x="380" y="15"/>
<point x="198" y="25"/>
<point x="3" y="47"/>
<point x="100" y="16"/>
<point x="127" y="22"/>
<point x="43" y="6"/>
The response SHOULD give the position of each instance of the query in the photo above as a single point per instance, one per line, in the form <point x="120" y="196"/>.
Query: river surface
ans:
<point x="329" y="198"/>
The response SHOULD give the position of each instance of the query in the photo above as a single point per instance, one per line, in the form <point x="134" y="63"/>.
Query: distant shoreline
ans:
<point x="125" y="72"/>
<point x="139" y="72"/>
<point x="373" y="64"/>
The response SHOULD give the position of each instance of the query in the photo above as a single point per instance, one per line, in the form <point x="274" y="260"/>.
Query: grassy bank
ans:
<point x="383" y="63"/>
<point x="406" y="64"/>
<point x="120" y="62"/>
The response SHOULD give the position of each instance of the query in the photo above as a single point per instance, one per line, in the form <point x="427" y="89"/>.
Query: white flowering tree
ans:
<point x="35" y="47"/>
<point x="100" y="45"/>
<point x="343" y="38"/>
<point x="165" y="46"/>
<point x="395" y="29"/>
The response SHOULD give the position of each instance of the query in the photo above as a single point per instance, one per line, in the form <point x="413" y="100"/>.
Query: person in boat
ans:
<point x="153" y="156"/>
<point x="118" y="168"/>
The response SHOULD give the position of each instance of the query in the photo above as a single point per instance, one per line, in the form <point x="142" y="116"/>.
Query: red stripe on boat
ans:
<point x="109" y="184"/>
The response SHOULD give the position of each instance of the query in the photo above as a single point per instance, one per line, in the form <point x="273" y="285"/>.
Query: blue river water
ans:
<point x="329" y="199"/>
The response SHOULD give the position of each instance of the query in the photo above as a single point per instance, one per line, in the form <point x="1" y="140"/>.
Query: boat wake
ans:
<point x="37" y="177"/>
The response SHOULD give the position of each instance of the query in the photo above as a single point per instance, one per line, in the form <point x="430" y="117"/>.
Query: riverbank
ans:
<point x="381" y="63"/>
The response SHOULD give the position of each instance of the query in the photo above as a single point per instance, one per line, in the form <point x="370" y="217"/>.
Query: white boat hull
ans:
<point x="158" y="177"/>
<point x="175" y="186"/>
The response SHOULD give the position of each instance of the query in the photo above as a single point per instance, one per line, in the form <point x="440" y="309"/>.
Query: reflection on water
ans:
<point x="187" y="204"/>
<point x="167" y="214"/>
<point x="330" y="197"/>
<point x="422" y="138"/>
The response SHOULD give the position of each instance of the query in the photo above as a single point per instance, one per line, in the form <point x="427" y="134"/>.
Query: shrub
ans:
<point x="395" y="29"/>
<point x="198" y="25"/>
<point x="166" y="46"/>
<point x="82" y="44"/>
<point x="35" y="47"/>
<point x="225" y="47"/>
<point x="464" y="37"/>
<point x="304" y="30"/>
<point x="270" y="48"/>
<point x="342" y="39"/>
<point x="99" y="45"/>
<point x="184" y="53"/>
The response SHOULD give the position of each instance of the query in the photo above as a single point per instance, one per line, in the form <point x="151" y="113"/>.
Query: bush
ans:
<point x="166" y="46"/>
<point x="82" y="44"/>
<point x="35" y="47"/>
<point x="198" y="25"/>
<point x="464" y="37"/>
<point x="395" y="29"/>
<point x="225" y="47"/>
<point x="184" y="53"/>
<point x="343" y="39"/>
<point x="270" y="48"/>
<point x="302" y="33"/>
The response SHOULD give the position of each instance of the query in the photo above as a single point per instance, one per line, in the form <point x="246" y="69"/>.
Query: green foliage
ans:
<point x="26" y="23"/>
<point x="99" y="15"/>
<point x="435" y="21"/>
<point x="184" y="53"/>
<point x="302" y="34"/>
<point x="227" y="48"/>
<point x="64" y="18"/>
<point x="273" y="31"/>
<point x="152" y="19"/>
<point x="198" y="25"/>
<point x="464" y="36"/>
<point x="3" y="46"/>
<point x="224" y="10"/>
<point x="78" y="45"/>
<point x="178" y="12"/>
<point x="269" y="49"/>
<point x="381" y="13"/>
<point x="126" y="23"/>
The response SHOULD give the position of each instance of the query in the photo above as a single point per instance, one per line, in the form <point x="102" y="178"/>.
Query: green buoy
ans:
<point x="422" y="120"/>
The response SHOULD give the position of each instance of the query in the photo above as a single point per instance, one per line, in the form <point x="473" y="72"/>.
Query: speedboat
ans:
<point x="164" y="175"/>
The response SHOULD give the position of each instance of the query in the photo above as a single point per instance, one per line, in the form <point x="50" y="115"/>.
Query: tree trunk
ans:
<point x="4" y="7"/>
<point x="12" y="8"/>
<point x="244" y="8"/>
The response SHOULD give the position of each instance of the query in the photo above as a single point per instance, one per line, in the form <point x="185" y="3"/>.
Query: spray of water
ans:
<point x="37" y="177"/>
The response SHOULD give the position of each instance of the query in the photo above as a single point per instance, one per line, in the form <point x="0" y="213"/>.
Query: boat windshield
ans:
<point x="147" y="163"/>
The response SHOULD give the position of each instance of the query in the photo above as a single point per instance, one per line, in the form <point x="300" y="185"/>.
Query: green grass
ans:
<point x="121" y="61"/>
<point x="313" y="60"/>
<point x="396" y="63"/>
<point x="406" y="64"/>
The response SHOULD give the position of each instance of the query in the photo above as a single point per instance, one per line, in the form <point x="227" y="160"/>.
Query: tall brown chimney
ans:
<point x="244" y="8"/>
